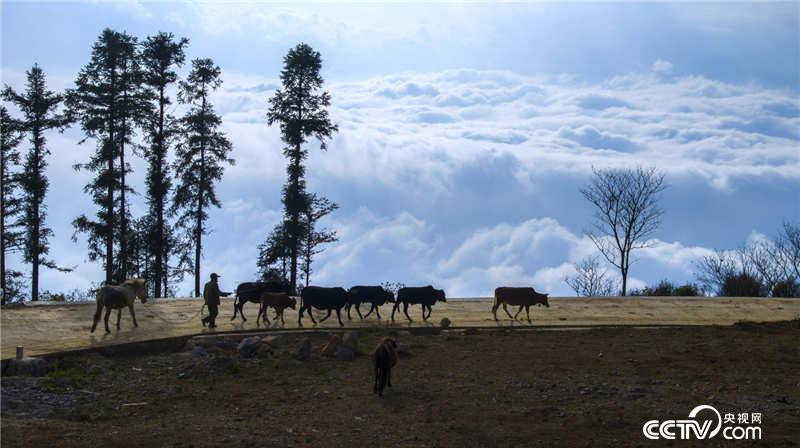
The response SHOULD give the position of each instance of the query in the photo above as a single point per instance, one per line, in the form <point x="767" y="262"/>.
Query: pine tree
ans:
<point x="161" y="55"/>
<point x="299" y="108"/>
<point x="319" y="207"/>
<point x="273" y="256"/>
<point x="10" y="202"/>
<point x="39" y="108"/>
<point x="135" y="105"/>
<point x="200" y="156"/>
<point x="108" y="101"/>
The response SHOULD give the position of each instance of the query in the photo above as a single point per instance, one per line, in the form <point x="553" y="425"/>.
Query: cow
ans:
<point x="322" y="299"/>
<point x="251" y="292"/>
<point x="374" y="295"/>
<point x="522" y="297"/>
<point x="383" y="359"/>
<point x="425" y="296"/>
<point x="279" y="301"/>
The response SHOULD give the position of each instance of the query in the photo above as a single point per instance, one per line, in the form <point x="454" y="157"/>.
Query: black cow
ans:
<point x="425" y="296"/>
<point x="375" y="295"/>
<point x="251" y="292"/>
<point x="322" y="299"/>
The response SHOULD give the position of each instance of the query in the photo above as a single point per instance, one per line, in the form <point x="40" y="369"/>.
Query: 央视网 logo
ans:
<point x="706" y="426"/>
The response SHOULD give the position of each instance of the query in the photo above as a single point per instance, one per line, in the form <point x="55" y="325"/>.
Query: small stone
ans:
<point x="27" y="367"/>
<point x="333" y="343"/>
<point x="274" y="341"/>
<point x="345" y="353"/>
<point x="198" y="351"/>
<point x="264" y="350"/>
<point x="249" y="346"/>
<point x="445" y="323"/>
<point x="304" y="352"/>
<point x="350" y="341"/>
<point x="404" y="350"/>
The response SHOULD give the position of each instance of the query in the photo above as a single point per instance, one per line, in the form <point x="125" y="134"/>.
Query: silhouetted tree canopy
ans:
<point x="108" y="100"/>
<point x="201" y="154"/>
<point x="161" y="55"/>
<point x="11" y="222"/>
<point x="319" y="207"/>
<point x="39" y="108"/>
<point x="299" y="108"/>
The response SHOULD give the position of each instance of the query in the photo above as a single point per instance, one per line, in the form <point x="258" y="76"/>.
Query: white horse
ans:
<point x="118" y="297"/>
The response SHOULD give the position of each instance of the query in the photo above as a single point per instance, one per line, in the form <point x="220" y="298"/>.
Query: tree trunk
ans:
<point x="295" y="227"/>
<point x="110" y="221"/>
<point x="35" y="253"/>
<point x="35" y="216"/>
<point x="197" y="252"/>
<point x="160" y="251"/>
<point x="3" y="228"/>
<point x="123" y="221"/>
<point x="110" y="226"/>
<point x="624" y="281"/>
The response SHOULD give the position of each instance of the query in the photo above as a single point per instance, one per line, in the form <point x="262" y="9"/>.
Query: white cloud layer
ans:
<point x="426" y="167"/>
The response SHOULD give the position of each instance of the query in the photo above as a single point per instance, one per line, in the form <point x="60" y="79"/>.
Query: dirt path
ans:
<point x="52" y="328"/>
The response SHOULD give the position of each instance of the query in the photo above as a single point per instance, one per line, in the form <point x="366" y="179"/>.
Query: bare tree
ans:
<point x="761" y="258"/>
<point x="591" y="280"/>
<point x="788" y="250"/>
<point x="626" y="212"/>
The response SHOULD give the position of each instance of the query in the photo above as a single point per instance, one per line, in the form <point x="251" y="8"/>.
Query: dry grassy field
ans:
<point x="485" y="387"/>
<point x="56" y="328"/>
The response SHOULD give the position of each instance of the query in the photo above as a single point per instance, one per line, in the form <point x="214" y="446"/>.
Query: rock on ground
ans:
<point x="249" y="346"/>
<point x="198" y="351"/>
<point x="333" y="343"/>
<point x="27" y="367"/>
<point x="350" y="341"/>
<point x="304" y="352"/>
<point x="345" y="353"/>
<point x="404" y="349"/>
<point x="445" y="323"/>
<point x="275" y="340"/>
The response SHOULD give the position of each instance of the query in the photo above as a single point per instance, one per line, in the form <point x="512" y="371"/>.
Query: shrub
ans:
<point x="786" y="288"/>
<point x="688" y="290"/>
<point x="742" y="284"/>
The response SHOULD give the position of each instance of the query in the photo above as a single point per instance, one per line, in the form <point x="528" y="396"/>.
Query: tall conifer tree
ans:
<point x="200" y="156"/>
<point x="39" y="108"/>
<point x="108" y="102"/>
<point x="299" y="107"/>
<point x="161" y="55"/>
<point x="10" y="202"/>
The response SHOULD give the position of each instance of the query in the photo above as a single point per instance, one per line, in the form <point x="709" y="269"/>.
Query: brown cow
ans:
<point x="278" y="301"/>
<point x="383" y="359"/>
<point x="522" y="297"/>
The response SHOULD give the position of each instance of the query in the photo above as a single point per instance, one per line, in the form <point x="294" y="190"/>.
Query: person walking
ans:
<point x="211" y="295"/>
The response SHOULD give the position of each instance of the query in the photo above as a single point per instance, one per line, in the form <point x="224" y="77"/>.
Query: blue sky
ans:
<point x="466" y="130"/>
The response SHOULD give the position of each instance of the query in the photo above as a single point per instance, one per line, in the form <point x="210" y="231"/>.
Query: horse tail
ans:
<point x="100" y="303"/>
